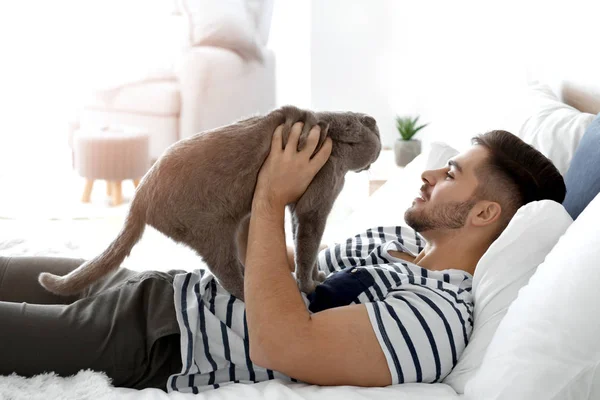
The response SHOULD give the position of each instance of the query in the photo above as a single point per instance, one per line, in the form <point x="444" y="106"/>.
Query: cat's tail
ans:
<point x="109" y="260"/>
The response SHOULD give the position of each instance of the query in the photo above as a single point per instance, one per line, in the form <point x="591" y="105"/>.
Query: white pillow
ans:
<point x="548" y="344"/>
<point x="553" y="127"/>
<point x="228" y="24"/>
<point x="503" y="270"/>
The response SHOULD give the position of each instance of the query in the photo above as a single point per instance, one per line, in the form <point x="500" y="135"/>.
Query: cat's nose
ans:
<point x="369" y="121"/>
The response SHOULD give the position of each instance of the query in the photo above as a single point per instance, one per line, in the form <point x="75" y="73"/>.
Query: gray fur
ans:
<point x="200" y="193"/>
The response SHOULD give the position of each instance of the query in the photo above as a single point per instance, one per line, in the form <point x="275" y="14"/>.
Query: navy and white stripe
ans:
<point x="422" y="318"/>
<point x="214" y="345"/>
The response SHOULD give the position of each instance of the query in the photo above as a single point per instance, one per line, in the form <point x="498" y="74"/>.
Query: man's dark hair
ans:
<point x="515" y="174"/>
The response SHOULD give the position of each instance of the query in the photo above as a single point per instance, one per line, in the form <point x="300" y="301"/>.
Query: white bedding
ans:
<point x="96" y="386"/>
<point x="277" y="389"/>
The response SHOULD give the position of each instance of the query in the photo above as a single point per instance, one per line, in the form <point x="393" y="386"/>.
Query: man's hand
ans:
<point x="286" y="173"/>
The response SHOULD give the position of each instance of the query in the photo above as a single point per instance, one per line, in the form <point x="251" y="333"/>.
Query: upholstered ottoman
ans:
<point x="112" y="154"/>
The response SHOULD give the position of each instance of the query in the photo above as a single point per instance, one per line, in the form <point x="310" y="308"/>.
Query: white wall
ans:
<point x="54" y="53"/>
<point x="456" y="63"/>
<point x="289" y="39"/>
<point x="349" y="41"/>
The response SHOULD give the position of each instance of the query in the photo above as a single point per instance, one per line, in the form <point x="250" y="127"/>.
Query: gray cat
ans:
<point x="200" y="192"/>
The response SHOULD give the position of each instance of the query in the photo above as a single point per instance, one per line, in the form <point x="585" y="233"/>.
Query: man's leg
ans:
<point x="18" y="279"/>
<point x="124" y="325"/>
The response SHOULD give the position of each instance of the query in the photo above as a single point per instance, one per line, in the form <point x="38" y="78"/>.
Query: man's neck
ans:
<point x="446" y="250"/>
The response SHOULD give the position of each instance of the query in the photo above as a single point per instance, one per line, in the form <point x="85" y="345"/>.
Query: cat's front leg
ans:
<point x="317" y="275"/>
<point x="294" y="220"/>
<point x="311" y="211"/>
<point x="308" y="240"/>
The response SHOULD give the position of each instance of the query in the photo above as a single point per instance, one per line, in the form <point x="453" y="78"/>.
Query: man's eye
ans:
<point x="449" y="176"/>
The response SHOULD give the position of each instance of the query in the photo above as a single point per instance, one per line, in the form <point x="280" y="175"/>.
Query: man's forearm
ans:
<point x="242" y="242"/>
<point x="274" y="306"/>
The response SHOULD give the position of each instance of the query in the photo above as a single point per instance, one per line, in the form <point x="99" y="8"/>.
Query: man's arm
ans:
<point x="333" y="347"/>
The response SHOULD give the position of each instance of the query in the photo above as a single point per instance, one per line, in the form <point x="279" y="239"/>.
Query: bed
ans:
<point x="585" y="96"/>
<point x="392" y="195"/>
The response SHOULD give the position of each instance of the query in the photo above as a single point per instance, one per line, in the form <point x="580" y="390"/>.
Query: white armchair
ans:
<point x="209" y="86"/>
<point x="217" y="87"/>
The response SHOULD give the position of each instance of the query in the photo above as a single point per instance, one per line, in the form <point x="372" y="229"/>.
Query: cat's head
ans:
<point x="355" y="136"/>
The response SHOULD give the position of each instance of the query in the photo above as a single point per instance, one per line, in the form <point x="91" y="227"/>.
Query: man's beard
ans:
<point x="452" y="215"/>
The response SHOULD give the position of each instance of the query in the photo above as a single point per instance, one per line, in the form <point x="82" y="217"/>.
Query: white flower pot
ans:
<point x="406" y="151"/>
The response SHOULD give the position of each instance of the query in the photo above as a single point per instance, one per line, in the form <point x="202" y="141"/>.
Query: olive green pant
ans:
<point x="124" y="325"/>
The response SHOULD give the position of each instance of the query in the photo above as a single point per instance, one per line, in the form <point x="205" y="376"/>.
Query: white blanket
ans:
<point x="276" y="389"/>
<point x="84" y="385"/>
<point x="96" y="386"/>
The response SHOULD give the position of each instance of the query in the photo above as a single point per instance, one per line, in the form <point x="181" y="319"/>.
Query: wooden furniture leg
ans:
<point x="87" y="190"/>
<point x="136" y="182"/>
<point x="117" y="195"/>
<point x="109" y="188"/>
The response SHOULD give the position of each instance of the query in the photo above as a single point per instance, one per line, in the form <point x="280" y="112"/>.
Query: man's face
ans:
<point x="447" y="194"/>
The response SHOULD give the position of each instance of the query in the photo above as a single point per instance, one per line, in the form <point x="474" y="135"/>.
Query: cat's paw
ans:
<point x="292" y="114"/>
<point x="321" y="276"/>
<point x="309" y="119"/>
<point x="307" y="286"/>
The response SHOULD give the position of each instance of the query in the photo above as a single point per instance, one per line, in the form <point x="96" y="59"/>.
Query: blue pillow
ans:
<point x="583" y="176"/>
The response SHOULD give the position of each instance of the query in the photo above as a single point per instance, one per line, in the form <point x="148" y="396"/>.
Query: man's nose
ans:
<point x="428" y="177"/>
<point x="431" y="176"/>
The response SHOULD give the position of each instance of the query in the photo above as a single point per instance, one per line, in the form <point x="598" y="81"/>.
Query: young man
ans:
<point x="396" y="306"/>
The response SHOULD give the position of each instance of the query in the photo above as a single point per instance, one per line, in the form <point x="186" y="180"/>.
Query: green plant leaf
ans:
<point x="420" y="127"/>
<point x="407" y="126"/>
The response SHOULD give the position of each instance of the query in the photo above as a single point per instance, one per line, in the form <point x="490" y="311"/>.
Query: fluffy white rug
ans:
<point x="86" y="384"/>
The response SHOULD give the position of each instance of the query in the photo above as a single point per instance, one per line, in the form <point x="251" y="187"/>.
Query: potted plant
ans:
<point x="407" y="148"/>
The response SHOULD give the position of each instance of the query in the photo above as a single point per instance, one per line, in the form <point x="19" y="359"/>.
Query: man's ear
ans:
<point x="486" y="213"/>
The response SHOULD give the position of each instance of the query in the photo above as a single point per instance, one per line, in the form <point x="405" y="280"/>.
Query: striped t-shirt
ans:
<point x="422" y="318"/>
